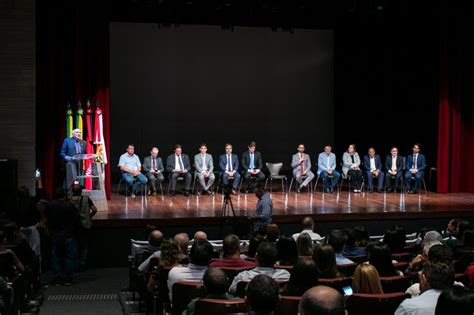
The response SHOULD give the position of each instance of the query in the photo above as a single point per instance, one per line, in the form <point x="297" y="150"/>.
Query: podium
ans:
<point x="97" y="196"/>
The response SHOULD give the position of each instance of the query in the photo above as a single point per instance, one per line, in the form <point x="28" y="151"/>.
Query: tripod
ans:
<point x="227" y="207"/>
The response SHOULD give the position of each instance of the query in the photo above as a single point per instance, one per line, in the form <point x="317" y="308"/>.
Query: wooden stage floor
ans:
<point x="289" y="207"/>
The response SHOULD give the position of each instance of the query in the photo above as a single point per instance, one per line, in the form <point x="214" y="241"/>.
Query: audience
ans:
<point x="200" y="235"/>
<point x="152" y="248"/>
<point x="357" y="241"/>
<point x="322" y="300"/>
<point x="200" y="256"/>
<point x="434" y="278"/>
<point x="380" y="257"/>
<point x="287" y="251"/>
<point x="231" y="255"/>
<point x="9" y="262"/>
<point x="325" y="260"/>
<point x="395" y="239"/>
<point x="183" y="242"/>
<point x="254" y="242"/>
<point x="303" y="277"/>
<point x="262" y="295"/>
<point x="308" y="228"/>
<point x="337" y="239"/>
<point x="456" y="300"/>
<point x="304" y="245"/>
<point x="265" y="260"/>
<point x="18" y="244"/>
<point x="366" y="280"/>
<point x="272" y="233"/>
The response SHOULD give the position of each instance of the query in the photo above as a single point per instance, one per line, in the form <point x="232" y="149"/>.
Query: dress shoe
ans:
<point x="389" y="190"/>
<point x="371" y="191"/>
<point x="380" y="191"/>
<point x="186" y="193"/>
<point x="173" y="193"/>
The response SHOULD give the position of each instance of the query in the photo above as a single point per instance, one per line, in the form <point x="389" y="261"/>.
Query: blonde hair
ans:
<point x="366" y="280"/>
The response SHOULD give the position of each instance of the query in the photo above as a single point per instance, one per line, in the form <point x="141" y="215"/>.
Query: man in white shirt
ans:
<point x="434" y="278"/>
<point x="373" y="169"/>
<point x="308" y="228"/>
<point x="178" y="165"/>
<point x="200" y="256"/>
<point x="204" y="166"/>
<point x="394" y="169"/>
<point x="130" y="167"/>
<point x="265" y="260"/>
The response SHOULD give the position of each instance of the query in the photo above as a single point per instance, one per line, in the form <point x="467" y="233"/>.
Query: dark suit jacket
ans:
<point x="378" y="162"/>
<point x="257" y="160"/>
<point x="69" y="147"/>
<point x="147" y="164"/>
<point x="388" y="163"/>
<point x="223" y="162"/>
<point x="420" y="162"/>
<point x="170" y="166"/>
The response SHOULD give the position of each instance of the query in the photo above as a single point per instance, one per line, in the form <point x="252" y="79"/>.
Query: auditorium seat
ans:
<point x="184" y="292"/>
<point x="241" y="289"/>
<point x="374" y="304"/>
<point x="405" y="257"/>
<point x="220" y="307"/>
<point x="288" y="305"/>
<point x="293" y="180"/>
<point x="347" y="269"/>
<point x="274" y="169"/>
<point x="395" y="284"/>
<point x="285" y="267"/>
<point x="337" y="283"/>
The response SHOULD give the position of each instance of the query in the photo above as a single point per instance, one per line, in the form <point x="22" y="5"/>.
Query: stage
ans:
<point x="287" y="208"/>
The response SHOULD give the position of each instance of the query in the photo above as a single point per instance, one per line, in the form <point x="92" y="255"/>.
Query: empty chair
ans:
<point x="395" y="284"/>
<point x="274" y="169"/>
<point x="288" y="305"/>
<point x="220" y="307"/>
<point x="347" y="269"/>
<point x="374" y="304"/>
<point x="184" y="292"/>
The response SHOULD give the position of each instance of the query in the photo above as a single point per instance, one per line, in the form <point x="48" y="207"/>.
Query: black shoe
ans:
<point x="173" y="193"/>
<point x="389" y="190"/>
<point x="380" y="191"/>
<point x="326" y="190"/>
<point x="414" y="192"/>
<point x="371" y="191"/>
<point x="186" y="193"/>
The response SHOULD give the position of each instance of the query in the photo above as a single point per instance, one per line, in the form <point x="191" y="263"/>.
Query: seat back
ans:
<point x="357" y="258"/>
<point x="288" y="305"/>
<point x="374" y="304"/>
<point x="220" y="307"/>
<point x="395" y="284"/>
<point x="347" y="269"/>
<point x="274" y="168"/>
<point x="402" y="256"/>
<point x="241" y="289"/>
<point x="337" y="283"/>
<point x="184" y="292"/>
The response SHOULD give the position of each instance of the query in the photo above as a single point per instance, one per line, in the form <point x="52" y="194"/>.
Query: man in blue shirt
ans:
<point x="327" y="168"/>
<point x="130" y="166"/>
<point x="71" y="147"/>
<point x="264" y="210"/>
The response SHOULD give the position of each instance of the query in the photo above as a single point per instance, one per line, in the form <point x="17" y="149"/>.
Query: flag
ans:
<point x="89" y="146"/>
<point x="79" y="113"/>
<point x="68" y="120"/>
<point x="99" y="135"/>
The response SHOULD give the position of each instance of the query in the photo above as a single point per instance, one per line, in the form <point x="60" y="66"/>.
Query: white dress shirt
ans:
<point x="424" y="304"/>
<point x="394" y="163"/>
<point x="247" y="275"/>
<point x="372" y="164"/>
<point x="190" y="273"/>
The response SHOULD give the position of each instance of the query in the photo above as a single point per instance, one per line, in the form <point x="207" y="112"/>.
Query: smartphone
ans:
<point x="38" y="173"/>
<point x="347" y="290"/>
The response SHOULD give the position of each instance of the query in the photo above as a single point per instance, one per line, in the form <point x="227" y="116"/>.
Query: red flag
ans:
<point x="89" y="147"/>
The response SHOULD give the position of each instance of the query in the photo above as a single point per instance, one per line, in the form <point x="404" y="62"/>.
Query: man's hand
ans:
<point x="413" y="171"/>
<point x="67" y="158"/>
<point x="206" y="174"/>
<point x="329" y="170"/>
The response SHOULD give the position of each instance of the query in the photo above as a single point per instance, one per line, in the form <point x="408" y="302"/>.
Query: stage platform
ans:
<point x="287" y="208"/>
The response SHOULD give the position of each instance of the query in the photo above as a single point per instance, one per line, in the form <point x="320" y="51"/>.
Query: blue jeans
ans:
<point x="134" y="181"/>
<point x="63" y="254"/>
<point x="335" y="179"/>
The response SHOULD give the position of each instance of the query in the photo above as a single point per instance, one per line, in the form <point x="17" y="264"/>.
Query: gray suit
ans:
<point x="153" y="177"/>
<point x="201" y="166"/>
<point x="347" y="161"/>
<point x="296" y="164"/>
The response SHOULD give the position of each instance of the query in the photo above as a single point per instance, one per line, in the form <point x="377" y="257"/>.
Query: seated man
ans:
<point x="415" y="168"/>
<point x="231" y="255"/>
<point x="204" y="166"/>
<point x="327" y="167"/>
<point x="252" y="165"/>
<point x="265" y="261"/>
<point x="394" y="168"/>
<point x="337" y="239"/>
<point x="18" y="244"/>
<point x="130" y="167"/>
<point x="373" y="169"/>
<point x="262" y="295"/>
<point x="179" y="166"/>
<point x="301" y="164"/>
<point x="322" y="300"/>
<point x="308" y="228"/>
<point x="201" y="254"/>
<point x="200" y="235"/>
<point x="229" y="165"/>
<point x="153" y="168"/>
<point x="216" y="284"/>
<point x="435" y="277"/>
<point x="183" y="242"/>
<point x="152" y="250"/>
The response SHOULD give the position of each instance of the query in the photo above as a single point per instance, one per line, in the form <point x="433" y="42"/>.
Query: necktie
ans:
<point x="153" y="164"/>
<point x="181" y="166"/>
<point x="302" y="164"/>
<point x="414" y="162"/>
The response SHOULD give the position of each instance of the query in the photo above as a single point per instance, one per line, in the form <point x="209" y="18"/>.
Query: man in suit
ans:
<point x="71" y="147"/>
<point x="179" y="166"/>
<point x="373" y="169"/>
<point x="301" y="164"/>
<point x="394" y="168"/>
<point x="204" y="166"/>
<point x="416" y="164"/>
<point x="252" y="165"/>
<point x="327" y="167"/>
<point x="131" y="167"/>
<point x="153" y="168"/>
<point x="229" y="165"/>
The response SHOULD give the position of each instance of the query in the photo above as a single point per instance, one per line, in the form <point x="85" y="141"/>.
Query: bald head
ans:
<point x="155" y="237"/>
<point x="200" y="235"/>
<point x="322" y="300"/>
<point x="308" y="223"/>
<point x="183" y="241"/>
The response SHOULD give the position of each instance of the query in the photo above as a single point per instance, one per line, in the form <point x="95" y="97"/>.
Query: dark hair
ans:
<point x="440" y="253"/>
<point x="76" y="190"/>
<point x="130" y="145"/>
<point x="263" y="294"/>
<point x="266" y="254"/>
<point x="361" y="236"/>
<point x="380" y="257"/>
<point x="315" y="304"/>
<point x="287" y="250"/>
<point x="227" y="144"/>
<point x="325" y="259"/>
<point x="439" y="275"/>
<point x="304" y="244"/>
<point x="254" y="242"/>
<point x="463" y="226"/>
<point x="230" y="245"/>
<point x="457" y="300"/>
<point x="178" y="146"/>
<point x="259" y="192"/>
<point x="169" y="252"/>
<point x="272" y="232"/>
<point x="395" y="240"/>
<point x="337" y="239"/>
<point x="328" y="145"/>
<point x="203" y="145"/>
<point x="308" y="223"/>
<point x="418" y="145"/>
<point x="215" y="281"/>
<point x="304" y="276"/>
<point x="468" y="238"/>
<point x="252" y="144"/>
<point x="201" y="252"/>
<point x="10" y="229"/>
<point x="351" y="237"/>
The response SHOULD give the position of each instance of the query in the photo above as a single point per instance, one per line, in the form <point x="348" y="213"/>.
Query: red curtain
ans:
<point x="455" y="167"/>
<point x="72" y="65"/>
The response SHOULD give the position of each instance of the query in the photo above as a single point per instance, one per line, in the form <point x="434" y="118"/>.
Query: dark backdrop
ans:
<point x="196" y="84"/>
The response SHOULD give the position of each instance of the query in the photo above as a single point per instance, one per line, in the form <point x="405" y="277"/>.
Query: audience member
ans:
<point x="287" y="251"/>
<point x="18" y="244"/>
<point x="395" y="240"/>
<point x="262" y="295"/>
<point x="304" y="245"/>
<point x="9" y="262"/>
<point x="325" y="260"/>
<point x="200" y="235"/>
<point x="265" y="260"/>
<point x="366" y="280"/>
<point x="308" y="228"/>
<point x="357" y="240"/>
<point x="337" y="239"/>
<point x="322" y="300"/>
<point x="456" y="300"/>
<point x="272" y="233"/>
<point x="183" y="242"/>
<point x="231" y="255"/>
<point x="380" y="257"/>
<point x="303" y="277"/>
<point x="152" y="248"/>
<point x="254" y="242"/>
